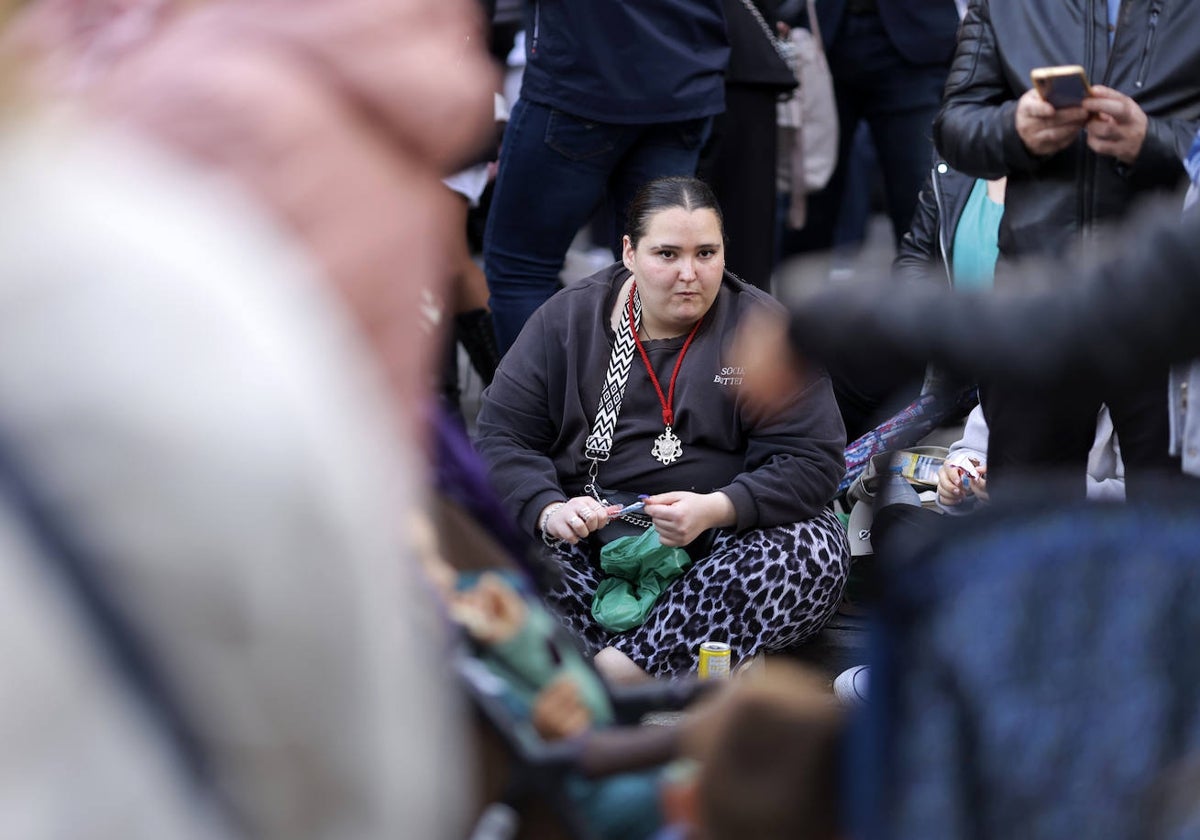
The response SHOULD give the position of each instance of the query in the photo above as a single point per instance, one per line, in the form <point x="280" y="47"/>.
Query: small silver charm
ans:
<point x="667" y="447"/>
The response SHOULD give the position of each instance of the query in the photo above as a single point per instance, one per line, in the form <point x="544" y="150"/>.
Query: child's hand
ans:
<point x="979" y="485"/>
<point x="559" y="712"/>
<point x="955" y="483"/>
<point x="492" y="611"/>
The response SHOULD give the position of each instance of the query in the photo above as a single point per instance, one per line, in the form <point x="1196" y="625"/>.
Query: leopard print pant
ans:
<point x="760" y="590"/>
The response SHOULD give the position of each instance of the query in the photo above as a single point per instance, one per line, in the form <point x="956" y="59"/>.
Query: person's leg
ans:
<point x="1140" y="417"/>
<point x="900" y="115"/>
<point x="1032" y="431"/>
<point x="742" y="173"/>
<point x="900" y="532"/>
<point x="660" y="150"/>
<point x="857" y="197"/>
<point x="767" y="589"/>
<point x="570" y="597"/>
<point x="554" y="169"/>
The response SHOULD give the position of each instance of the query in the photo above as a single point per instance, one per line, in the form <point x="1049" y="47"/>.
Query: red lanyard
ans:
<point x="668" y="400"/>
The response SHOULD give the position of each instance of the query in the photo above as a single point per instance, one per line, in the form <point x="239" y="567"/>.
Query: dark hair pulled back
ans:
<point x="663" y="194"/>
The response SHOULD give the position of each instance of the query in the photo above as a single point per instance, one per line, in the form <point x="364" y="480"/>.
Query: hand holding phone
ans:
<point x="1064" y="86"/>
<point x="1047" y="126"/>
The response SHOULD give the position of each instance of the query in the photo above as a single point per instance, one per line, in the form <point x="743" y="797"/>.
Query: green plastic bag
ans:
<point x="641" y="567"/>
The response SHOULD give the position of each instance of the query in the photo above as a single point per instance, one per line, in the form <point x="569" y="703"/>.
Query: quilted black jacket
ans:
<point x="1155" y="59"/>
<point x="929" y="241"/>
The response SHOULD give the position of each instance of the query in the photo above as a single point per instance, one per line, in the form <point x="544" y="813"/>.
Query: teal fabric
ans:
<point x="973" y="260"/>
<point x="531" y="660"/>
<point x="640" y="568"/>
<point x="624" y="807"/>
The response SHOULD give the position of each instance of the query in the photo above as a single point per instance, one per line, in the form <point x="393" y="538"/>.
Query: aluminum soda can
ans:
<point x="714" y="661"/>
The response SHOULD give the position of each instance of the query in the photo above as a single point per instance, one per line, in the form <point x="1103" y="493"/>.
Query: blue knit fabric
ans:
<point x="1040" y="677"/>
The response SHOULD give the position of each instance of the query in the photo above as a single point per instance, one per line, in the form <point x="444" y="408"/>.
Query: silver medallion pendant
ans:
<point x="667" y="447"/>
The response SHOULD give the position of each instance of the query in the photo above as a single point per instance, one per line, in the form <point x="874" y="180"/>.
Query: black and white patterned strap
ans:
<point x="599" y="442"/>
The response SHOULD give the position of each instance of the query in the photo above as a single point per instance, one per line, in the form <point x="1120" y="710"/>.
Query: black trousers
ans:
<point x="739" y="162"/>
<point x="1040" y="431"/>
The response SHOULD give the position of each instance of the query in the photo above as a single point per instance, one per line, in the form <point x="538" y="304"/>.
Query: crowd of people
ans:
<point x="268" y="576"/>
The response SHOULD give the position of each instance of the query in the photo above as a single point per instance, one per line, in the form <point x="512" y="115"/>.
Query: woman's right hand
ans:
<point x="574" y="519"/>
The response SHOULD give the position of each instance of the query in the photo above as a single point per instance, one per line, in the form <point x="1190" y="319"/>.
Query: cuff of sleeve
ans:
<point x="743" y="505"/>
<point x="1019" y="158"/>
<point x="534" y="507"/>
<point x="1157" y="161"/>
<point x="968" y="506"/>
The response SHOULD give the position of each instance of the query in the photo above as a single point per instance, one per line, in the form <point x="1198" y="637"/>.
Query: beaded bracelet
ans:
<point x="550" y="511"/>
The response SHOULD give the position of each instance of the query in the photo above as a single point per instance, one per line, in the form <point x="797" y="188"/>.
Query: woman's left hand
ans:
<point x="681" y="516"/>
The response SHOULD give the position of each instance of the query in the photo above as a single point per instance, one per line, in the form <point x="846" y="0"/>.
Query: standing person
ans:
<point x="747" y="492"/>
<point x="739" y="160"/>
<point x="1070" y="169"/>
<point x="613" y="95"/>
<point x="889" y="60"/>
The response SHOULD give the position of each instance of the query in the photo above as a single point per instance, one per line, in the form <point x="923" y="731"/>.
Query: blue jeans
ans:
<point x="555" y="169"/>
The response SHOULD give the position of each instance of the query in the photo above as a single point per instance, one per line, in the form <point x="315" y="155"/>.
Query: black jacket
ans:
<point x="1134" y="313"/>
<point x="930" y="238"/>
<point x="1050" y="200"/>
<point x="627" y="63"/>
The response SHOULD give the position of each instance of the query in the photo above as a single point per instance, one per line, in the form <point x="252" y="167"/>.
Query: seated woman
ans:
<point x="617" y="387"/>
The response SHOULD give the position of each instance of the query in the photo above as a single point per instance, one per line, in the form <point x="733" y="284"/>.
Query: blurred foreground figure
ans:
<point x="339" y="118"/>
<point x="212" y="624"/>
<point x="1037" y="679"/>
<point x="1124" y="317"/>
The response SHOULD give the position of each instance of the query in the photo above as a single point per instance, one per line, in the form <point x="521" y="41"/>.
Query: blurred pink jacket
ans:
<point x="339" y="116"/>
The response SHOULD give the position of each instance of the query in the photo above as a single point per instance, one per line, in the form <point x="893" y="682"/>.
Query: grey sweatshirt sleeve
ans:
<point x="515" y="431"/>
<point x="794" y="461"/>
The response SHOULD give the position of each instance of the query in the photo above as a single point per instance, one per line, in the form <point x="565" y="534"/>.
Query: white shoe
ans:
<point x="850" y="686"/>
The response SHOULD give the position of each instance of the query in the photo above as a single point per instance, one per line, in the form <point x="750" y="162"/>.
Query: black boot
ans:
<point x="474" y="332"/>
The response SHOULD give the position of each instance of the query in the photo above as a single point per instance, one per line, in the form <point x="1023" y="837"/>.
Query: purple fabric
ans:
<point x="460" y="475"/>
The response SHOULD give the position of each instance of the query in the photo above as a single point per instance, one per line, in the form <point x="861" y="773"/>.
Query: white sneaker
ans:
<point x="850" y="686"/>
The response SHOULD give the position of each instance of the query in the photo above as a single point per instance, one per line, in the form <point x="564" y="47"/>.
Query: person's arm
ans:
<point x="969" y="451"/>
<point x="976" y="130"/>
<point x="1162" y="143"/>
<point x="919" y="250"/>
<point x="1110" y="323"/>
<point x="515" y="429"/>
<point x="795" y="458"/>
